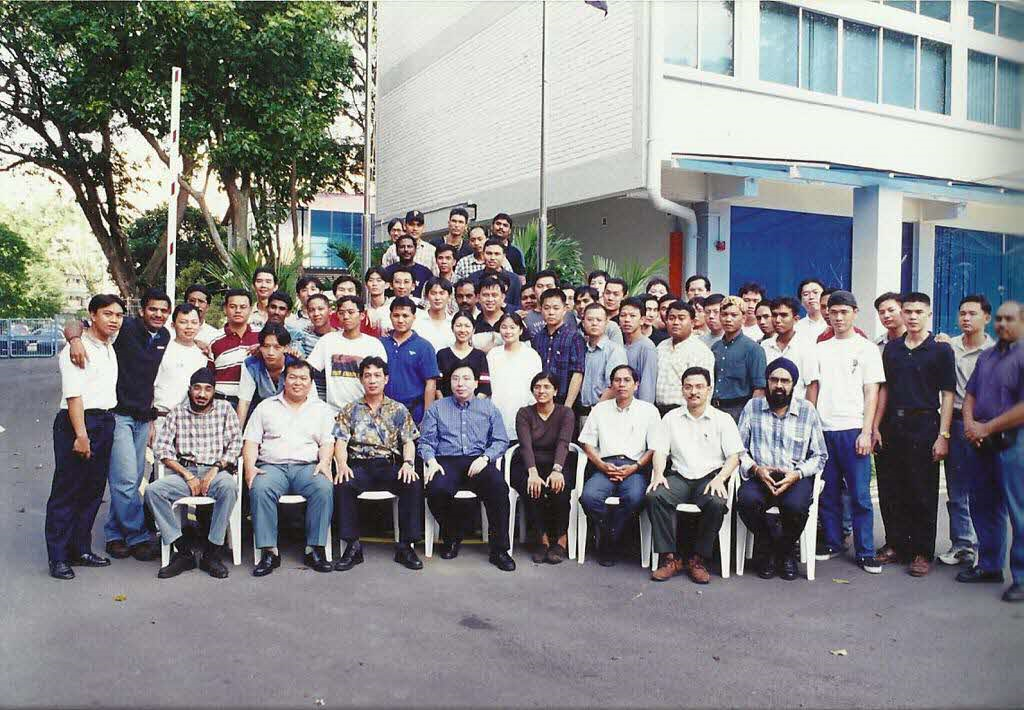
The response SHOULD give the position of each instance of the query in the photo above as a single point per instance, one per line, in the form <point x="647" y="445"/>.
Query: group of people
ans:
<point x="417" y="379"/>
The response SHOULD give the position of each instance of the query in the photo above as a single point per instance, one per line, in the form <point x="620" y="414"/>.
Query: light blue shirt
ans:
<point x="472" y="428"/>
<point x="600" y="360"/>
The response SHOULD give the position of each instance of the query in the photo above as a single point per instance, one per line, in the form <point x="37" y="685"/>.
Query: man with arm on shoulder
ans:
<point x="181" y="358"/>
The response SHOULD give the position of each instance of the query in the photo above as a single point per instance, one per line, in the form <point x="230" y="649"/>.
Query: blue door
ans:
<point x="970" y="262"/>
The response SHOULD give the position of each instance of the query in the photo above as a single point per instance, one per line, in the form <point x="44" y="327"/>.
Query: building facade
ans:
<point x="877" y="146"/>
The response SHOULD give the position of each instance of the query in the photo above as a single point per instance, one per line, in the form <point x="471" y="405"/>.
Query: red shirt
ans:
<point x="829" y="333"/>
<point x="228" y="352"/>
<point x="365" y="327"/>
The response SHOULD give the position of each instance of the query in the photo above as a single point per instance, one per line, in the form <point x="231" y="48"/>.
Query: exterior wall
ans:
<point x="459" y="108"/>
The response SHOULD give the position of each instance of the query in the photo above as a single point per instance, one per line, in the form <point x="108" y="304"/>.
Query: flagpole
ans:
<point x="542" y="221"/>
<point x="367" y="154"/>
<point x="173" y="169"/>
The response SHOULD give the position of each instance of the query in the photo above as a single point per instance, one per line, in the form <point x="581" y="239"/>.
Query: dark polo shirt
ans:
<point x="139" y="353"/>
<point x="997" y="383"/>
<point x="739" y="367"/>
<point x="915" y="377"/>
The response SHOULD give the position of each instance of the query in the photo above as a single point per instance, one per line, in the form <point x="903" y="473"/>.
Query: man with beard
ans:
<point x="784" y="452"/>
<point x="199" y="440"/>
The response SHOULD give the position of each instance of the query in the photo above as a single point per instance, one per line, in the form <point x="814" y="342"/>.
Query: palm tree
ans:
<point x="242" y="264"/>
<point x="565" y="255"/>
<point x="353" y="258"/>
<point x="632" y="271"/>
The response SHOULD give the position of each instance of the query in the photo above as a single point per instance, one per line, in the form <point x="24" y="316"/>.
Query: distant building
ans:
<point x="331" y="220"/>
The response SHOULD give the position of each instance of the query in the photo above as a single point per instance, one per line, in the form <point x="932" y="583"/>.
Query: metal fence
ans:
<point x="30" y="337"/>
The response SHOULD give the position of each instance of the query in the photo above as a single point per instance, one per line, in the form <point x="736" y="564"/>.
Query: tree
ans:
<point x="20" y="295"/>
<point x="193" y="245"/>
<point x="264" y="84"/>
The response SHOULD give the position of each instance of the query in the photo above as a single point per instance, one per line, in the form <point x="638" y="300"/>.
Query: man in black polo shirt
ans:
<point x="140" y="347"/>
<point x="739" y="362"/>
<point x="914" y="437"/>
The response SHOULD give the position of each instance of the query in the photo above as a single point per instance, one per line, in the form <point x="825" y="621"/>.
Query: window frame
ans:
<point x="699" y="50"/>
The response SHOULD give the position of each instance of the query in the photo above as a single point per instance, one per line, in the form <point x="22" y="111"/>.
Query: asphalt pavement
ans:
<point x="461" y="633"/>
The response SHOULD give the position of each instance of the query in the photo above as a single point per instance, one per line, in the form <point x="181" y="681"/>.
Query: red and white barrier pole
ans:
<point x="173" y="170"/>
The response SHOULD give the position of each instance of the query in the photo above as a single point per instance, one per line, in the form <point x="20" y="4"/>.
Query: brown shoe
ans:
<point x="669" y="568"/>
<point x="540" y="554"/>
<point x="697" y="571"/>
<point x="556" y="554"/>
<point x="886" y="555"/>
<point x="920" y="566"/>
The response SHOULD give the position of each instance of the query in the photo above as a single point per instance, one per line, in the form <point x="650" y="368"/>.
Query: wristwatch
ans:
<point x="944" y="434"/>
<point x="407" y="461"/>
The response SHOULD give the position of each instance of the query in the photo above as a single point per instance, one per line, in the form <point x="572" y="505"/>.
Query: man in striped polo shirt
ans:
<point x="229" y="349"/>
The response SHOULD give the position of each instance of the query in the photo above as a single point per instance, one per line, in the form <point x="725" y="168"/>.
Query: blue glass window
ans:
<point x="1011" y="23"/>
<point x="908" y="5"/>
<point x="860" y="61"/>
<point x="780" y="36"/>
<point x="328" y="231"/>
<point x="898" y="68"/>
<point x="1008" y="93"/>
<point x="935" y="79"/>
<point x="984" y="14"/>
<point x="939" y="9"/>
<point x="820" y="55"/>
<point x="981" y="74"/>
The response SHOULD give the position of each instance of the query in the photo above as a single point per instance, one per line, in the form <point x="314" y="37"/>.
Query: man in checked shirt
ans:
<point x="198" y="440"/>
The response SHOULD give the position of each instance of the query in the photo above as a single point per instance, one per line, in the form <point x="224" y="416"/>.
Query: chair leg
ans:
<point x="485" y="527"/>
<point x="329" y="547"/>
<point x="741" y="546"/>
<point x="430" y="529"/>
<point x="581" y="536"/>
<point x="235" y="532"/>
<point x="725" y="544"/>
<point x="808" y="546"/>
<point x="394" y="517"/>
<point x="645" y="539"/>
<point x="574" y="511"/>
<point x="512" y="498"/>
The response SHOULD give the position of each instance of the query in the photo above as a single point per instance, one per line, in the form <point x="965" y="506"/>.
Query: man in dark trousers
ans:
<point x="914" y="436"/>
<point x="83" y="432"/>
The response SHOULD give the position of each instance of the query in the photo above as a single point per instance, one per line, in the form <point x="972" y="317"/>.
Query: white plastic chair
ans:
<point x="383" y="495"/>
<point x="285" y="500"/>
<point x="432" y="529"/>
<point x="234" y="536"/>
<point x="645" y="533"/>
<point x="574" y="498"/>
<point x="724" y="532"/>
<point x="808" y="538"/>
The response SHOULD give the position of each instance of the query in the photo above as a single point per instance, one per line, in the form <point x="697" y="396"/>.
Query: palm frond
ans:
<point x="635" y="274"/>
<point x="242" y="264"/>
<point x="565" y="255"/>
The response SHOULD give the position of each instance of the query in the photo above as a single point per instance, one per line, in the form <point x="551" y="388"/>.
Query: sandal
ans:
<point x="556" y="554"/>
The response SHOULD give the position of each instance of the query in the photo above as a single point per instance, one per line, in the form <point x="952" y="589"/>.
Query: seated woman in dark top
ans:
<point x="460" y="354"/>
<point x="543" y="468"/>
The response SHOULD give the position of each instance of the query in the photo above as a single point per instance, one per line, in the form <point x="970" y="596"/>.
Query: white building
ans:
<point x="877" y="146"/>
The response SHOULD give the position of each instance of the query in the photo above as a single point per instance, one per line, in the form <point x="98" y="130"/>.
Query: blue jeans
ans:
<point x="1011" y="468"/>
<point x="959" y="464"/>
<point x="988" y="509"/>
<point x="290" y="478"/>
<point x="844" y="462"/>
<point x="631" y="493"/>
<point x="126" y="519"/>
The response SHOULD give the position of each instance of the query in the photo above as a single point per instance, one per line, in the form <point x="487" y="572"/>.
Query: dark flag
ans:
<point x="599" y="4"/>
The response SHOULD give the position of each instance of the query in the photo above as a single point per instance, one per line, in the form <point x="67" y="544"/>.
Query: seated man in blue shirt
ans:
<point x="461" y="439"/>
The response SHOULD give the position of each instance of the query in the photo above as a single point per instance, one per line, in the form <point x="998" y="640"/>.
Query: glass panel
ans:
<point x="898" y="66"/>
<point x="1008" y="91"/>
<point x="860" y="61"/>
<point x="779" y="42"/>
<point x="908" y="5"/>
<point x="939" y="9"/>
<point x="981" y="76"/>
<point x="320" y="223"/>
<point x="681" y="33"/>
<point x="984" y="14"/>
<point x="1011" y="23"/>
<point x="820" y="57"/>
<point x="716" y="37"/>
<point x="935" y="70"/>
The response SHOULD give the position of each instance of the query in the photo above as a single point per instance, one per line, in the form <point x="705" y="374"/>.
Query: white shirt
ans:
<point x="288" y="435"/>
<point x="176" y="369"/>
<point x="753" y="332"/>
<point x="966" y="359"/>
<point x="437" y="332"/>
<point x="811" y="328"/>
<point x="96" y="383"/>
<point x="338" y="358"/>
<point x="257" y="319"/>
<point x="206" y="333"/>
<point x="511" y="374"/>
<point x="699" y="445"/>
<point x="802" y="352"/>
<point x="622" y="432"/>
<point x="844" y="367"/>
<point x="674" y="360"/>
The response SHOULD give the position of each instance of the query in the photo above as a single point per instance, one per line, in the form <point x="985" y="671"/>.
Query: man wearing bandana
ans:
<point x="784" y="452"/>
<point x="199" y="441"/>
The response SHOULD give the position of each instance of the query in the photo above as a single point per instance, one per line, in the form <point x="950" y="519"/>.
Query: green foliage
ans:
<point x="243" y="264"/>
<point x="635" y="274"/>
<point x="353" y="258"/>
<point x="565" y="255"/>
<point x="21" y="296"/>
<point x="193" y="245"/>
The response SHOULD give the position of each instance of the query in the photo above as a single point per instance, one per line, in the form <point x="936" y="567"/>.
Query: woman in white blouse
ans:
<point x="512" y="367"/>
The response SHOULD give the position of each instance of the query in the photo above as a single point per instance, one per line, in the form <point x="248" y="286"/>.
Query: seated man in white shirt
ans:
<point x="618" y="439"/>
<point x="705" y="447"/>
<point x="288" y="447"/>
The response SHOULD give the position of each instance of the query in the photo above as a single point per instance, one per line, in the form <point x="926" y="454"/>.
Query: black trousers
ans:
<point x="908" y="484"/>
<point x="753" y="499"/>
<point x="549" y="513"/>
<point x="77" y="489"/>
<point x="489" y="486"/>
<point x="378" y="475"/>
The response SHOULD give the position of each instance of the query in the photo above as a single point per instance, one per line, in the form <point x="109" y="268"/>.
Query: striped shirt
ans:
<point x="674" y="360"/>
<point x="201" y="438"/>
<point x="793" y="441"/>
<point x="228" y="352"/>
<point x="472" y="428"/>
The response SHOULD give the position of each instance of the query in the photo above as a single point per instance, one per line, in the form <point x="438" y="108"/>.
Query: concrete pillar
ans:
<point x="877" y="249"/>
<point x="708" y="261"/>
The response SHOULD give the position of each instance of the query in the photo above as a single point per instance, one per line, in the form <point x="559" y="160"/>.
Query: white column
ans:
<point x="877" y="249"/>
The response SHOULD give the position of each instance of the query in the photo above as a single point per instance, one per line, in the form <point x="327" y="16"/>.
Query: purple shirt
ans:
<point x="997" y="383"/>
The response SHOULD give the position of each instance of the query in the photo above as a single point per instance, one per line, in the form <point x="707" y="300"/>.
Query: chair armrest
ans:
<point x="160" y="470"/>
<point x="506" y="461"/>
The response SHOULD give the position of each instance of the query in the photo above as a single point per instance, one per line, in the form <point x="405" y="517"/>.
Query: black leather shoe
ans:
<point x="316" y="560"/>
<point x="89" y="559"/>
<point x="450" y="550"/>
<point x="179" y="562"/>
<point x="605" y="552"/>
<point x="267" y="564"/>
<point x="61" y="570"/>
<point x="765" y="567"/>
<point x="407" y="557"/>
<point x="353" y="556"/>
<point x="789" y="569"/>
<point x="502" y="560"/>
<point x="146" y="551"/>
<point x="211" y="564"/>
<point x="976" y="575"/>
<point x="118" y="549"/>
<point x="1014" y="593"/>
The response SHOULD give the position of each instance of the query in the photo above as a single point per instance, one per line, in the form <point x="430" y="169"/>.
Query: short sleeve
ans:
<point x="874" y="372"/>
<point x="72" y="378"/>
<point x="246" y="385"/>
<point x="758" y="364"/>
<point x="408" y="431"/>
<point x="343" y="423"/>
<point x="589" y="433"/>
<point x="428" y="361"/>
<point x="326" y="424"/>
<point x="730" y="436"/>
<point x="254" y="429"/>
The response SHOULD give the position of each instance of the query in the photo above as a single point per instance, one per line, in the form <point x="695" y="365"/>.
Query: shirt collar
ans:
<point x="705" y="415"/>
<point x="625" y="409"/>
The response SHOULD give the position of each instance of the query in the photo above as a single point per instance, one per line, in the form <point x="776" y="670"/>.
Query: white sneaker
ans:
<point x="958" y="556"/>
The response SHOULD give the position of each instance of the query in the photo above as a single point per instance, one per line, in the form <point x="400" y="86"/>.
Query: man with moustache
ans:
<point x="198" y="443"/>
<point x="424" y="249"/>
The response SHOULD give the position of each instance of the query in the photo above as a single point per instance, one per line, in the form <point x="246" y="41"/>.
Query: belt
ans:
<point x="393" y="459"/>
<point x="97" y="412"/>
<point x="715" y="402"/>
<point x="912" y="412"/>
